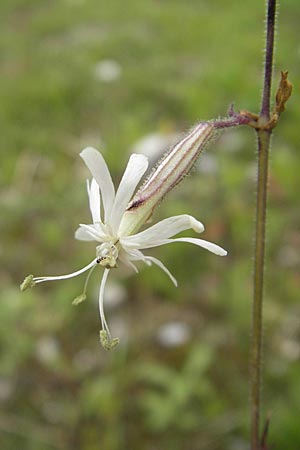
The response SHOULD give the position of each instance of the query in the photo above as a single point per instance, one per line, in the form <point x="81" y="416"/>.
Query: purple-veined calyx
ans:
<point x="171" y="169"/>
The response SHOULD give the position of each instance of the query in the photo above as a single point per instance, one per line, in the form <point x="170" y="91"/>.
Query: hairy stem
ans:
<point x="257" y="311"/>
<point x="264" y="137"/>
<point x="269" y="50"/>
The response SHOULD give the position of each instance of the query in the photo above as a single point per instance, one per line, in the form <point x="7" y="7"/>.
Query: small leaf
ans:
<point x="283" y="93"/>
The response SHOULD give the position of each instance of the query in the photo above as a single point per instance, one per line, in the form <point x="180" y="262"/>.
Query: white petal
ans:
<point x="101" y="302"/>
<point x="82" y="234"/>
<point x="136" y="255"/>
<point x="136" y="167"/>
<point x="214" y="248"/>
<point x="153" y="236"/>
<point x="64" y="277"/>
<point x="125" y="260"/>
<point x="98" y="168"/>
<point x="163" y="267"/>
<point x="94" y="200"/>
<point x="91" y="232"/>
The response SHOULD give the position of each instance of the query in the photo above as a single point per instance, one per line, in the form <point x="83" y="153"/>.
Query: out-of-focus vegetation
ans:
<point x="77" y="73"/>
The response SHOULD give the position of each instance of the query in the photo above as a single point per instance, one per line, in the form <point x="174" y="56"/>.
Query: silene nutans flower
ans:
<point x="118" y="215"/>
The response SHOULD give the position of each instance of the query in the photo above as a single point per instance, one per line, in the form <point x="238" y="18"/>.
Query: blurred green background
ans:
<point x="123" y="76"/>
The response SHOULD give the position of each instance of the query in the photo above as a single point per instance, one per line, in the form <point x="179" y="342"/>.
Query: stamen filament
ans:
<point x="65" y="277"/>
<point x="101" y="300"/>
<point x="88" y="278"/>
<point x="82" y="297"/>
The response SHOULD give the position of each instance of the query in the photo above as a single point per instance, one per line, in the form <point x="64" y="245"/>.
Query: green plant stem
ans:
<point x="264" y="137"/>
<point x="257" y="311"/>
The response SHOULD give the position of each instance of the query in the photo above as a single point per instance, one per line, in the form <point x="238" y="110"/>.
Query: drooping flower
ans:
<point x="117" y="217"/>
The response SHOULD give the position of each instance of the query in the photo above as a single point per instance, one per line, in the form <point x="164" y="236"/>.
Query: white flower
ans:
<point x="115" y="227"/>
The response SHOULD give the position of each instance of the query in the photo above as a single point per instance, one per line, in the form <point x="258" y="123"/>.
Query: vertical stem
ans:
<point x="257" y="311"/>
<point x="264" y="137"/>
<point x="268" y="64"/>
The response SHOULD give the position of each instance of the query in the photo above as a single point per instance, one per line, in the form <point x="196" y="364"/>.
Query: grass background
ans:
<point x="179" y="62"/>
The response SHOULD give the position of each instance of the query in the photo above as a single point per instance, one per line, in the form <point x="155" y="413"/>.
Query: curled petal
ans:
<point x="158" y="233"/>
<point x="163" y="267"/>
<point x="214" y="248"/>
<point x="136" y="255"/>
<point x="125" y="260"/>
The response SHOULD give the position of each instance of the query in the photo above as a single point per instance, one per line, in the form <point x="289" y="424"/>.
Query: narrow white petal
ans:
<point x="94" y="200"/>
<point x="101" y="302"/>
<point x="94" y="231"/>
<point x="163" y="267"/>
<point x="98" y="168"/>
<point x="82" y="234"/>
<point x="153" y="236"/>
<point x="135" y="255"/>
<point x="125" y="260"/>
<point x="136" y="167"/>
<point x="65" y="277"/>
<point x="214" y="248"/>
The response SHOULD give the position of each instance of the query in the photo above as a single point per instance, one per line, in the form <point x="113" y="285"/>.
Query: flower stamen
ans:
<point x="107" y="255"/>
<point x="82" y="297"/>
<point x="108" y="343"/>
<point x="27" y="283"/>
